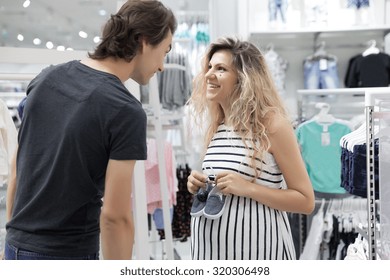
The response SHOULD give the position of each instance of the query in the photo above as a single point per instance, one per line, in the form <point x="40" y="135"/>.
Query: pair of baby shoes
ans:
<point x="208" y="201"/>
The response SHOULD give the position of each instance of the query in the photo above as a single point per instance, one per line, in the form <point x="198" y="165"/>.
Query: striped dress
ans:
<point x="247" y="229"/>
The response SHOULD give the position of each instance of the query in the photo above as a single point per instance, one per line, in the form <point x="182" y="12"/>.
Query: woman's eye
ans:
<point x="221" y="69"/>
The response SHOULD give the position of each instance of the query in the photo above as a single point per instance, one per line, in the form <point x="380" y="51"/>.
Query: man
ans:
<point x="81" y="134"/>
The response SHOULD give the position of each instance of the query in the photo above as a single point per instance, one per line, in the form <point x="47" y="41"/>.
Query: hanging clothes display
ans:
<point x="319" y="140"/>
<point x="354" y="163"/>
<point x="277" y="9"/>
<point x="320" y="70"/>
<point x="175" y="81"/>
<point x="194" y="35"/>
<point x="8" y="141"/>
<point x="278" y="67"/>
<point x="181" y="223"/>
<point x="358" y="4"/>
<point x="369" y="69"/>
<point x="316" y="13"/>
<point x="333" y="229"/>
<point x="153" y="190"/>
<point x="8" y="144"/>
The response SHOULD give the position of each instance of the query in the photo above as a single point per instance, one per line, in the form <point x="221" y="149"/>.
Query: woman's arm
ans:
<point x="299" y="195"/>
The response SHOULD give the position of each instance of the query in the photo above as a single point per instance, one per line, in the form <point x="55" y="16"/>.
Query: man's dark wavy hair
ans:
<point x="136" y="19"/>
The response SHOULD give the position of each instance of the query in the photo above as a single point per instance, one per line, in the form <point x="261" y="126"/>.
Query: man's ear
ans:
<point x="142" y="44"/>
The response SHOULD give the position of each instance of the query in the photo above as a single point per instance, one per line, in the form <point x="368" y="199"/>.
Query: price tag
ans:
<point x="325" y="139"/>
<point x="323" y="64"/>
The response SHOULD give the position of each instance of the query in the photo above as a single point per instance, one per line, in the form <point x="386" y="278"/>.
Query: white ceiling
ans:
<point x="57" y="21"/>
<point x="60" y="21"/>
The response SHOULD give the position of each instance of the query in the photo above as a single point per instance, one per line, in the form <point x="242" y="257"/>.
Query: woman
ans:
<point x="252" y="152"/>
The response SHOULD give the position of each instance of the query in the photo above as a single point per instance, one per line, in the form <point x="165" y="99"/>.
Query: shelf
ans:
<point x="308" y="38"/>
<point x="311" y="31"/>
<point x="336" y="91"/>
<point x="17" y="76"/>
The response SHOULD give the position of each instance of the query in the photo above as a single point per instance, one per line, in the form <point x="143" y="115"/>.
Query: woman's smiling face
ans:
<point x="221" y="77"/>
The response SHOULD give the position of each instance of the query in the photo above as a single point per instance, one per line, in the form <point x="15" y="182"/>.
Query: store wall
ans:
<point x="223" y="18"/>
<point x="187" y="5"/>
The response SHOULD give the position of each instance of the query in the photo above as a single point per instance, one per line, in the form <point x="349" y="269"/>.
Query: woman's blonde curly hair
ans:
<point x="252" y="102"/>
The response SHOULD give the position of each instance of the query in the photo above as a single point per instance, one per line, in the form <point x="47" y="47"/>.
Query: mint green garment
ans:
<point x="321" y="152"/>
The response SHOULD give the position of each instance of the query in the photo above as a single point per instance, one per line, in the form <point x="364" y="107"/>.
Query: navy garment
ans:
<point x="20" y="107"/>
<point x="354" y="170"/>
<point x="14" y="253"/>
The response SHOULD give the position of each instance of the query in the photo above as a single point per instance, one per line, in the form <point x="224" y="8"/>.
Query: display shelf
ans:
<point x="311" y="31"/>
<point x="310" y="38"/>
<point x="294" y="46"/>
<point x="345" y="103"/>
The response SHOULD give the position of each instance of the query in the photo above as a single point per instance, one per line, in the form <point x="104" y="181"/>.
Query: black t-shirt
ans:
<point x="368" y="71"/>
<point x="75" y="119"/>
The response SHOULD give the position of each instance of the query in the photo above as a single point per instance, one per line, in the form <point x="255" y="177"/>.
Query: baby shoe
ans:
<point x="200" y="199"/>
<point x="215" y="204"/>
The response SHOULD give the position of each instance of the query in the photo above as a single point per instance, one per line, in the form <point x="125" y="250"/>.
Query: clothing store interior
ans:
<point x="330" y="62"/>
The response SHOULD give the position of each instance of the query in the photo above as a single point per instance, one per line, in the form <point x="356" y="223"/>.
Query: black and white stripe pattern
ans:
<point x="247" y="230"/>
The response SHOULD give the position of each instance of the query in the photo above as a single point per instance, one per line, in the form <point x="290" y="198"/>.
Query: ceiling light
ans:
<point x="102" y="12"/>
<point x="96" y="39"/>
<point x="83" y="34"/>
<point x="69" y="49"/>
<point x="37" y="41"/>
<point x="49" y="45"/>
<point x="26" y="3"/>
<point x="60" y="48"/>
<point x="20" y="37"/>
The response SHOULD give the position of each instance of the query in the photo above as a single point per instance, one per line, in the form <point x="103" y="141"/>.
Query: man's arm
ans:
<point x="116" y="219"/>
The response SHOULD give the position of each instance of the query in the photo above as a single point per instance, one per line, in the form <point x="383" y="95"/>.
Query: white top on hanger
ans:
<point x="372" y="49"/>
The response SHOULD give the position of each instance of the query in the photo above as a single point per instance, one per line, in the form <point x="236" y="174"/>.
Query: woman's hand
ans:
<point x="231" y="183"/>
<point x="195" y="181"/>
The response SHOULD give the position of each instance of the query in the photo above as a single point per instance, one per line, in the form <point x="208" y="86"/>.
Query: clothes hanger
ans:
<point x="320" y="50"/>
<point x="270" y="50"/>
<point x="372" y="49"/>
<point x="323" y="116"/>
<point x="321" y="53"/>
<point x="270" y="47"/>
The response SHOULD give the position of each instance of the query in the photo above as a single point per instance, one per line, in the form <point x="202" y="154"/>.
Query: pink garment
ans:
<point x="153" y="190"/>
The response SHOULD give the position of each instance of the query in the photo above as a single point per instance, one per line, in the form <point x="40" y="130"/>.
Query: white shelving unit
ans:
<point x="295" y="45"/>
<point x="373" y="98"/>
<point x="344" y="103"/>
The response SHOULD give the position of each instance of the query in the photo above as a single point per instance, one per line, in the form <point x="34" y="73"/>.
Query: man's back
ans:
<point x="74" y="121"/>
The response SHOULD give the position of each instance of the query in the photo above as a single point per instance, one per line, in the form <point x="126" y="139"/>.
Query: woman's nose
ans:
<point x="210" y="74"/>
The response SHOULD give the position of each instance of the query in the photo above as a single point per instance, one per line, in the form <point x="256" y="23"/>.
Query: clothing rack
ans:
<point x="372" y="96"/>
<point x="140" y="201"/>
<point x="157" y="121"/>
